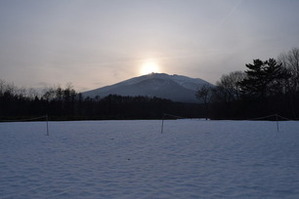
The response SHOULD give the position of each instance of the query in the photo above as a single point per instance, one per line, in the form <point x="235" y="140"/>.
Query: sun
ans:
<point x="149" y="66"/>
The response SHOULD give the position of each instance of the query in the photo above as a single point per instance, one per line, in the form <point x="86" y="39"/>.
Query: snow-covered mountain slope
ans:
<point x="174" y="87"/>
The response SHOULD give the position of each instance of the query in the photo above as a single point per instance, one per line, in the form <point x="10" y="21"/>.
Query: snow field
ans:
<point x="132" y="159"/>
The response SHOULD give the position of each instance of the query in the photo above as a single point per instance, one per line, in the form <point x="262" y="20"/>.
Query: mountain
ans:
<point x="177" y="88"/>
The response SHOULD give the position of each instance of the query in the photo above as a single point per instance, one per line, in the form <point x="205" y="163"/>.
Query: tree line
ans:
<point x="67" y="104"/>
<point x="266" y="87"/>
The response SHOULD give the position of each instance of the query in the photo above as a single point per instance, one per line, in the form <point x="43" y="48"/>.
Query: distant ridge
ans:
<point x="177" y="88"/>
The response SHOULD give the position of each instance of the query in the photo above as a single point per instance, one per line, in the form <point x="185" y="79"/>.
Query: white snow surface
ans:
<point x="132" y="159"/>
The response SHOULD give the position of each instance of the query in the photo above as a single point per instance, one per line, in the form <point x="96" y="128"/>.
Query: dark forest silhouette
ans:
<point x="67" y="104"/>
<point x="265" y="88"/>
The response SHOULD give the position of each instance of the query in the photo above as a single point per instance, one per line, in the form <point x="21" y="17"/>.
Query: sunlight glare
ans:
<point x="149" y="67"/>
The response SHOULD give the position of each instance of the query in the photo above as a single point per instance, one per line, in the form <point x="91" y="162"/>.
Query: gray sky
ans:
<point x="94" y="43"/>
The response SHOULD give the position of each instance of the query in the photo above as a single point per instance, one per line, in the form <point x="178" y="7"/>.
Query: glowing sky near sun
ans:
<point x="94" y="43"/>
<point x="149" y="66"/>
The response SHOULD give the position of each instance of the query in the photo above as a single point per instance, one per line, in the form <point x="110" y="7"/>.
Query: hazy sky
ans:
<point x="94" y="43"/>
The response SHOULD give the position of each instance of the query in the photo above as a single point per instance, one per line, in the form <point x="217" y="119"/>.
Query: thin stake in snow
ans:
<point x="33" y="119"/>
<point x="162" y="125"/>
<point x="47" y="118"/>
<point x="277" y="124"/>
<point x="278" y="118"/>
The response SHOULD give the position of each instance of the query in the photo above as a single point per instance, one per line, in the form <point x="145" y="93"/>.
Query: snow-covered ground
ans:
<point x="132" y="159"/>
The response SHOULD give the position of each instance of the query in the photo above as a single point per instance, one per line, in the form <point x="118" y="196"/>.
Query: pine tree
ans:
<point x="264" y="78"/>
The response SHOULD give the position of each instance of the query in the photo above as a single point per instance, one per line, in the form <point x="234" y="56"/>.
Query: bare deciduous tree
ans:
<point x="204" y="94"/>
<point x="290" y="61"/>
<point x="228" y="88"/>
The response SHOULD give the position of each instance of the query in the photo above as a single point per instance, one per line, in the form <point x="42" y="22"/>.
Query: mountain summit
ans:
<point x="177" y="88"/>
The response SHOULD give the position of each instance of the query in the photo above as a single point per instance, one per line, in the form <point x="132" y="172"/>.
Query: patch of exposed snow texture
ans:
<point x="132" y="159"/>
